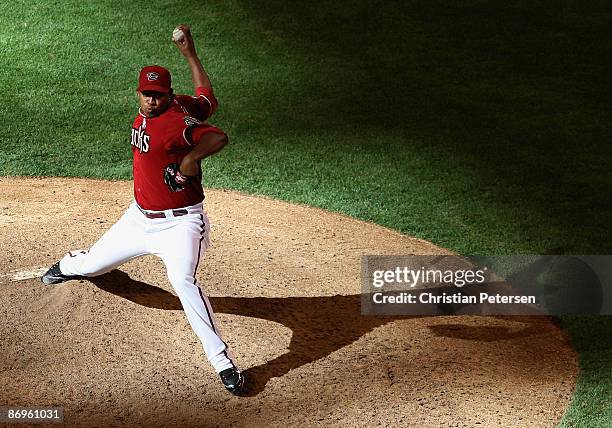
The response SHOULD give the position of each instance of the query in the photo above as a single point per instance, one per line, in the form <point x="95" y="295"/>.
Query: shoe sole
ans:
<point x="50" y="280"/>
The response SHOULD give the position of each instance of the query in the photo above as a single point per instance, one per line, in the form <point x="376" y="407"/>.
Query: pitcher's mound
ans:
<point x="284" y="282"/>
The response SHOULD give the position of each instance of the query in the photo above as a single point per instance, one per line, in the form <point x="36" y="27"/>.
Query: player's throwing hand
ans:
<point x="184" y="41"/>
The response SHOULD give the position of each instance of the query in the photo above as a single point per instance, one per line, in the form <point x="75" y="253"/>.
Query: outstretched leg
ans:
<point x="122" y="242"/>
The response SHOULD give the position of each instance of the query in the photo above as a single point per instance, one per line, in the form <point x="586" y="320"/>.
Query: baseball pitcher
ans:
<point x="169" y="138"/>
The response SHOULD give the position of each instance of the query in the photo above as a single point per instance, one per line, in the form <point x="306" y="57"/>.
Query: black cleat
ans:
<point x="54" y="275"/>
<point x="233" y="380"/>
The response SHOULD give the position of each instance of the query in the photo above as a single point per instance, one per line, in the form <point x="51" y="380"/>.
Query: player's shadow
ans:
<point x="489" y="333"/>
<point x="320" y="325"/>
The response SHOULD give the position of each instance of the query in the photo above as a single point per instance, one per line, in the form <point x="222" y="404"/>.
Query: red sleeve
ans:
<point x="202" y="106"/>
<point x="193" y="134"/>
<point x="205" y="95"/>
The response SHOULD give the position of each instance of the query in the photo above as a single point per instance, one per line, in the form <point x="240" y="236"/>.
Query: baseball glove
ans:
<point x="174" y="179"/>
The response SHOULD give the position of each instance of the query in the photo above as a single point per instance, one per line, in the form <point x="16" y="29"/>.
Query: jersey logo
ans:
<point x="190" y="121"/>
<point x="152" y="76"/>
<point x="140" y="139"/>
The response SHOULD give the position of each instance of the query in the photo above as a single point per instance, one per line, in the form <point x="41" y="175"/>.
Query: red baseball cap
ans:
<point x="154" y="78"/>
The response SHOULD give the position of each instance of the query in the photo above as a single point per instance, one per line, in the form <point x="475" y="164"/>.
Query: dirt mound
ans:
<point x="284" y="282"/>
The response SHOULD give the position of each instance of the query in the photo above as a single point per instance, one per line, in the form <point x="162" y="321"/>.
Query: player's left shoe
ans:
<point x="54" y="275"/>
<point x="233" y="380"/>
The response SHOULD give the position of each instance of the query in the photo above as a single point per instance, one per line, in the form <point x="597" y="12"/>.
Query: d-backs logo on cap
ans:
<point x="152" y="76"/>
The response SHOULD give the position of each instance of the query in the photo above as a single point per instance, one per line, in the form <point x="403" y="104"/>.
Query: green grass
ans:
<point x="482" y="126"/>
<point x="592" y="404"/>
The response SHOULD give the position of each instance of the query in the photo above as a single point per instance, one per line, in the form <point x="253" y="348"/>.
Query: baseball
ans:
<point x="177" y="35"/>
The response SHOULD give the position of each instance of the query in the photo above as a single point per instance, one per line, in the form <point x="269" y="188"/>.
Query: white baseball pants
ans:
<point x="180" y="241"/>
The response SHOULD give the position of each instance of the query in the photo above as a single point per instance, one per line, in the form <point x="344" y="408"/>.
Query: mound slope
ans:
<point x="284" y="282"/>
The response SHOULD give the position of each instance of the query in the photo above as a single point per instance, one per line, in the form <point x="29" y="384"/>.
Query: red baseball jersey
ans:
<point x="165" y="139"/>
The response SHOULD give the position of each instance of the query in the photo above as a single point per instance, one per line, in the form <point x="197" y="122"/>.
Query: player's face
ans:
<point x="153" y="103"/>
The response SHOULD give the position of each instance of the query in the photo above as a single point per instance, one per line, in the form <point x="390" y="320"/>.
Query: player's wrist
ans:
<point x="188" y="168"/>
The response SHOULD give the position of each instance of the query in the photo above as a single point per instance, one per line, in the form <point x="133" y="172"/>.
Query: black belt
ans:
<point x="162" y="214"/>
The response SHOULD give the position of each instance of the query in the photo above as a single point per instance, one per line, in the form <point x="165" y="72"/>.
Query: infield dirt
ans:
<point x="284" y="281"/>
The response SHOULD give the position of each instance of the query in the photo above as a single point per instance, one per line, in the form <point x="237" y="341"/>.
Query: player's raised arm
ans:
<point x="185" y="44"/>
<point x="204" y="104"/>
